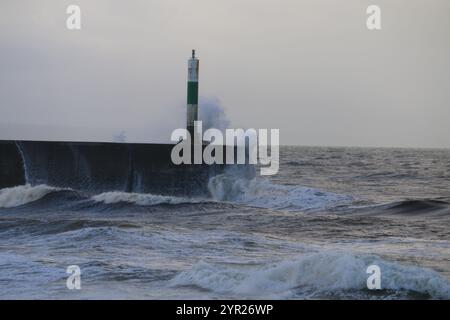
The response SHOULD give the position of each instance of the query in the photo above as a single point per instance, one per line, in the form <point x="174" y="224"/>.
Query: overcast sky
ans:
<point x="310" y="68"/>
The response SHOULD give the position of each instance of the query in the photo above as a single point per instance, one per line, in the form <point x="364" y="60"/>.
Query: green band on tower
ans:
<point x="192" y="94"/>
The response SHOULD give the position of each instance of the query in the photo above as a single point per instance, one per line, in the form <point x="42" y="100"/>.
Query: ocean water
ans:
<point x="310" y="232"/>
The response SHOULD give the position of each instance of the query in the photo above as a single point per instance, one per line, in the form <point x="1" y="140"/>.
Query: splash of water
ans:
<point x="318" y="273"/>
<point x="260" y="192"/>
<point x="212" y="114"/>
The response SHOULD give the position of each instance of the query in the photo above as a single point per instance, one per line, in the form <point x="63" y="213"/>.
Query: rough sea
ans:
<point x="309" y="232"/>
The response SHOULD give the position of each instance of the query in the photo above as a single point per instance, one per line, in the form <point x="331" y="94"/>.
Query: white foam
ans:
<point x="141" y="199"/>
<point x="260" y="192"/>
<point x="20" y="195"/>
<point x="317" y="273"/>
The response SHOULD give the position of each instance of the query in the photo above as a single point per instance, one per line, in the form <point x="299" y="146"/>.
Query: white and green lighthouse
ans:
<point x="192" y="93"/>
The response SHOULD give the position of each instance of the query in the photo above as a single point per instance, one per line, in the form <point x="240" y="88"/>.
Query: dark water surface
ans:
<point x="309" y="232"/>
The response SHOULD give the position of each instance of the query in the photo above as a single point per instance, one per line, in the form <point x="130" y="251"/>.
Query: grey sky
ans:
<point x="309" y="68"/>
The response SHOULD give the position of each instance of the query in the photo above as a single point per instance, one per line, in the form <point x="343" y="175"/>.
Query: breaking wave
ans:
<point x="20" y="195"/>
<point x="260" y="192"/>
<point x="314" y="275"/>
<point x="141" y="199"/>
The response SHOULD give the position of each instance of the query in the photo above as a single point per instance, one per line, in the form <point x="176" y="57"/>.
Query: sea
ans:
<point x="312" y="231"/>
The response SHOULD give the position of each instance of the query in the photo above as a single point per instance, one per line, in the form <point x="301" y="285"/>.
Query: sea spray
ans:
<point x="213" y="115"/>
<point x="324" y="272"/>
<point x="261" y="192"/>
<point x="24" y="162"/>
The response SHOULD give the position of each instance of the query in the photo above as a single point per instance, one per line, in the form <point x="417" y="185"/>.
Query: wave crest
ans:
<point x="141" y="199"/>
<point x="260" y="192"/>
<point x="313" y="274"/>
<point x="20" y="195"/>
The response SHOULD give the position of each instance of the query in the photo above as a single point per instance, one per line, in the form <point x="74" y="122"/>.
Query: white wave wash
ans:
<point x="260" y="192"/>
<point x="141" y="199"/>
<point x="20" y="195"/>
<point x="313" y="273"/>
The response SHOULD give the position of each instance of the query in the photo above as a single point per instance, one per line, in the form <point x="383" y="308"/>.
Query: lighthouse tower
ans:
<point x="192" y="93"/>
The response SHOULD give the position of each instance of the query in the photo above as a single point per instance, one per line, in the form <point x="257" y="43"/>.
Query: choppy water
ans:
<point x="308" y="232"/>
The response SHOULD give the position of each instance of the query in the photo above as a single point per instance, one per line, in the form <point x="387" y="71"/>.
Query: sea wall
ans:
<point x="100" y="167"/>
<point x="11" y="166"/>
